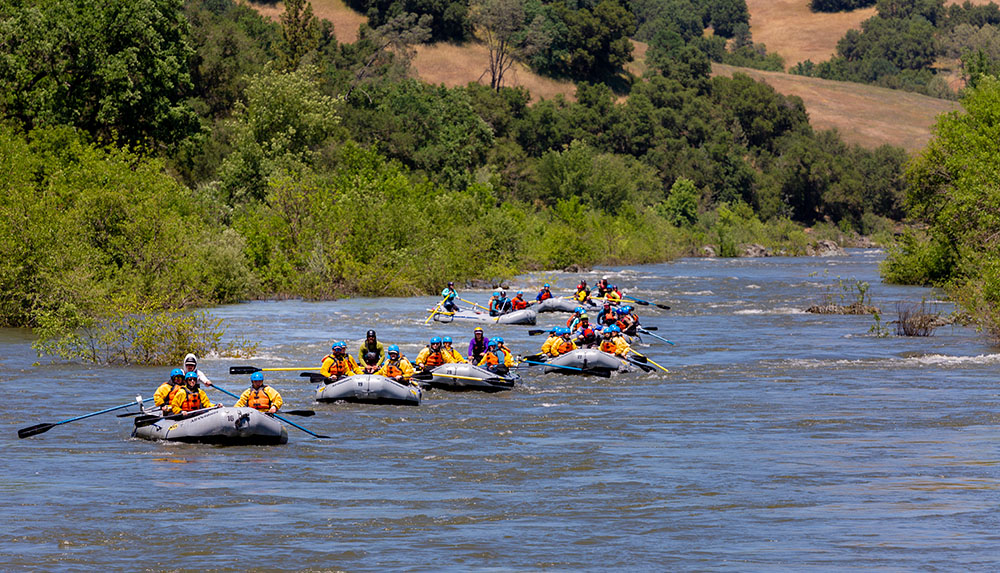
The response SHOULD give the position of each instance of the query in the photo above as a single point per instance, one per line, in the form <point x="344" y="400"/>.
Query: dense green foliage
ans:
<point x="953" y="190"/>
<point x="318" y="169"/>
<point x="839" y="5"/>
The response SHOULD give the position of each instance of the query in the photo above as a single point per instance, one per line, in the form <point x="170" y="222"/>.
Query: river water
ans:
<point x="779" y="440"/>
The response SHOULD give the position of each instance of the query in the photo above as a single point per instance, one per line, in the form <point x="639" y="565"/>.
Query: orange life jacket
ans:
<point x="259" y="399"/>
<point x="192" y="401"/>
<point x="392" y="369"/>
<point x="340" y="366"/>
<point x="608" y="345"/>
<point x="434" y="359"/>
<point x="545" y="295"/>
<point x="563" y="347"/>
<point x="518" y="303"/>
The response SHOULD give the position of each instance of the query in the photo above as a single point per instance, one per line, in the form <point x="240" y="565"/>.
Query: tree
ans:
<point x="299" y="31"/>
<point x="499" y="22"/>
<point x="395" y="39"/>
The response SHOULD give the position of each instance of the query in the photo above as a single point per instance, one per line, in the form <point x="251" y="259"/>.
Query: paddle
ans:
<point x="531" y="357"/>
<point x="285" y="420"/>
<point x="474" y="304"/>
<point x="645" y="367"/>
<point x="430" y="376"/>
<point x="646" y="331"/>
<point x="434" y="311"/>
<point x="647" y="359"/>
<point x="647" y="303"/>
<point x="317" y="378"/>
<point x="595" y="372"/>
<point x="42" y="428"/>
<point x="234" y="370"/>
<point x="536" y="332"/>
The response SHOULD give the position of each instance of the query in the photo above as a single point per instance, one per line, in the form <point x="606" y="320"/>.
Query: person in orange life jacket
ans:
<point x="614" y="343"/>
<point x="582" y="294"/>
<point x="449" y="294"/>
<point x="339" y="364"/>
<point x="608" y="315"/>
<point x="584" y="335"/>
<point x="628" y="321"/>
<point x="544" y="294"/>
<point x="564" y="344"/>
<point x="396" y="367"/>
<point x="518" y="302"/>
<point x="499" y="304"/>
<point x="553" y="338"/>
<point x="165" y="393"/>
<point x="191" y="365"/>
<point x="190" y="397"/>
<point x="431" y="356"/>
<point x="497" y="358"/>
<point x="614" y="296"/>
<point x="478" y="345"/>
<point x="371" y="344"/>
<point x="453" y="356"/>
<point x="260" y="396"/>
<point x="573" y="320"/>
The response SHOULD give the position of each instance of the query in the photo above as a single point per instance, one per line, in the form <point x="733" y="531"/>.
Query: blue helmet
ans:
<point x="436" y="340"/>
<point x="493" y="343"/>
<point x="257" y="376"/>
<point x="446" y="340"/>
<point x="626" y="309"/>
<point x="176" y="372"/>
<point x="339" y="345"/>
<point x="612" y="328"/>
<point x="497" y="339"/>
<point x="393" y="348"/>
<point x="520" y="292"/>
<point x="554" y="330"/>
<point x="190" y="375"/>
<point x="579" y="310"/>
<point x="563" y="330"/>
<point x="546" y="285"/>
<point x="496" y="293"/>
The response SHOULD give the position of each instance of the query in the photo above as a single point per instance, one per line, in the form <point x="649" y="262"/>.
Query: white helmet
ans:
<point x="191" y="359"/>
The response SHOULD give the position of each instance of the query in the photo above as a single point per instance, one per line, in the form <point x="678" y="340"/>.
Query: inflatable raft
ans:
<point x="585" y="359"/>
<point x="369" y="389"/>
<point x="462" y="376"/>
<point x="556" y="305"/>
<point x="525" y="316"/>
<point x="223" y="426"/>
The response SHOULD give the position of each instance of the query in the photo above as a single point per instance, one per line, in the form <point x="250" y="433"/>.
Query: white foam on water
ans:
<point x="781" y="310"/>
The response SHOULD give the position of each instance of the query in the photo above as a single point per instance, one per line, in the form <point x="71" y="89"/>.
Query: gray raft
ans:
<point x="587" y="359"/>
<point x="369" y="389"/>
<point x="223" y="426"/>
<point x="470" y="377"/>
<point x="556" y="305"/>
<point x="524" y="316"/>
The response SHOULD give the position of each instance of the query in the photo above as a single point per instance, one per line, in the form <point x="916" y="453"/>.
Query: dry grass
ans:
<point x="866" y="115"/>
<point x="345" y="21"/>
<point x="789" y="29"/>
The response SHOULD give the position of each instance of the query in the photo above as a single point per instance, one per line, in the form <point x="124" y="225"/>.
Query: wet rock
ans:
<point x="856" y="308"/>
<point x="708" y="251"/>
<point x="825" y="248"/>
<point x="755" y="250"/>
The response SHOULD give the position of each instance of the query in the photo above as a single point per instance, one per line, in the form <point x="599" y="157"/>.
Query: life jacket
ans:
<point x="563" y="347"/>
<point x="434" y="359"/>
<point x="340" y="367"/>
<point x="192" y="401"/>
<point x="392" y="369"/>
<point x="587" y="335"/>
<point x="519" y="303"/>
<point x="170" y="393"/>
<point x="609" y="317"/>
<point x="259" y="399"/>
<point x="544" y="295"/>
<point x="608" y="345"/>
<point x="581" y="295"/>
<point x="626" y="322"/>
<point x="453" y="354"/>
<point x="491" y="359"/>
<point x="569" y="321"/>
<point x="478" y="346"/>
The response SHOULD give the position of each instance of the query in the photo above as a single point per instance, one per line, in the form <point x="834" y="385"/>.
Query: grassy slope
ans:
<point x="865" y="115"/>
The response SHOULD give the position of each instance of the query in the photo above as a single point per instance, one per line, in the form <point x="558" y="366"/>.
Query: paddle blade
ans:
<point x="663" y="306"/>
<point x="129" y="414"/>
<point x="423" y="375"/>
<point x="233" y="370"/>
<point x="303" y="413"/>
<point x="600" y="373"/>
<point x="536" y="332"/>
<point x="35" y="430"/>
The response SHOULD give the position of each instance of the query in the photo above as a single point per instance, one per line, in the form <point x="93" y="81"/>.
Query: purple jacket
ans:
<point x="472" y="345"/>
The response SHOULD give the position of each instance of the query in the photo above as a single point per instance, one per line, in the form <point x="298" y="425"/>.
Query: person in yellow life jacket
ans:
<point x="613" y="296"/>
<point x="518" y="302"/>
<point x="564" y="344"/>
<point x="582" y="294"/>
<point x="339" y="364"/>
<point x="396" y="367"/>
<point x="259" y="395"/>
<point x="614" y="343"/>
<point x="498" y="358"/>
<point x="431" y="356"/>
<point x="544" y="294"/>
<point x="552" y="339"/>
<point x="450" y="353"/>
<point x="190" y="397"/>
<point x="165" y="393"/>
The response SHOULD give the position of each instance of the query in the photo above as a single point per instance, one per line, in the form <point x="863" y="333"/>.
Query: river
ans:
<point x="779" y="440"/>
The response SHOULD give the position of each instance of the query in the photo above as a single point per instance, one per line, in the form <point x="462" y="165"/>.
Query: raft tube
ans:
<point x="524" y="316"/>
<point x="484" y="380"/>
<point x="227" y="426"/>
<point x="586" y="358"/>
<point x="369" y="389"/>
<point x="556" y="305"/>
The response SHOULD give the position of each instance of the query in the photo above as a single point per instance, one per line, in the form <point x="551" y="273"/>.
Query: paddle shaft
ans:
<point x="42" y="428"/>
<point x="646" y="331"/>
<point x="650" y="360"/>
<point x="234" y="370"/>
<point x="285" y="420"/>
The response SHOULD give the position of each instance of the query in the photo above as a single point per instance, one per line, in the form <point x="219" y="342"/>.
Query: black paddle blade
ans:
<point x="129" y="414"/>
<point x="663" y="306"/>
<point x="303" y="413"/>
<point x="316" y="378"/>
<point x="243" y="369"/>
<point x="533" y="357"/>
<point x="35" y="430"/>
<point x="598" y="372"/>
<point x="536" y="332"/>
<point x="423" y="376"/>
<point x="642" y="328"/>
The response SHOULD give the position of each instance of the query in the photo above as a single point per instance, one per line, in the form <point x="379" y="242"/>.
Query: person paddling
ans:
<point x="497" y="358"/>
<point x="396" y="366"/>
<point x="339" y="364"/>
<point x="544" y="294"/>
<point x="449" y="294"/>
<point x="614" y="343"/>
<point x="564" y="344"/>
<point x="191" y="397"/>
<point x="584" y="336"/>
<point x="582" y="294"/>
<point x="628" y="321"/>
<point x="165" y="393"/>
<point x="478" y="345"/>
<point x="553" y="338"/>
<point x="371" y="344"/>
<point x="431" y="356"/>
<point x="518" y="302"/>
<point x="191" y="365"/>
<point x="259" y="395"/>
<point x="453" y="355"/>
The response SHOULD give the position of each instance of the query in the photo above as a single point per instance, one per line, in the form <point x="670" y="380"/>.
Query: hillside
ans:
<point x="865" y="115"/>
